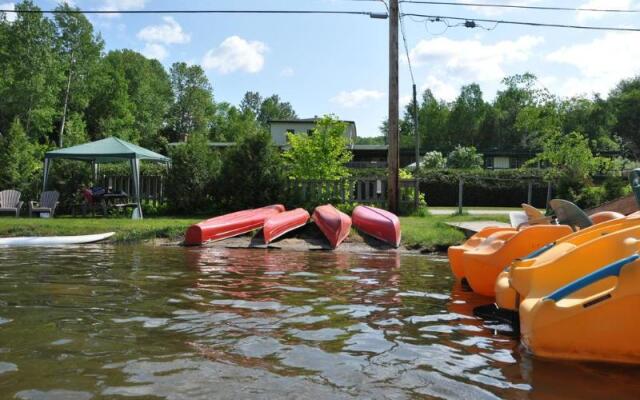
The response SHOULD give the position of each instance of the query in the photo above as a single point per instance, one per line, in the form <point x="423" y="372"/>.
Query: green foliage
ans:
<point x="252" y="174"/>
<point x="467" y="114"/>
<point x="19" y="160"/>
<point x="465" y="158"/>
<point x="320" y="155"/>
<point x="408" y="194"/>
<point x="193" y="108"/>
<point x="570" y="162"/>
<point x="625" y="101"/>
<point x="194" y="170"/>
<point x="433" y="160"/>
<point x="590" y="196"/>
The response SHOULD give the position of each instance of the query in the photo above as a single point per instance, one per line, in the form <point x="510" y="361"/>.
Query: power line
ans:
<point x="471" y="23"/>
<point x="544" y="8"/>
<point x="406" y="49"/>
<point x="78" y="11"/>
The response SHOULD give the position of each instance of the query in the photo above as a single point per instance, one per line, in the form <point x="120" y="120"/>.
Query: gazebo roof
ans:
<point x="107" y="150"/>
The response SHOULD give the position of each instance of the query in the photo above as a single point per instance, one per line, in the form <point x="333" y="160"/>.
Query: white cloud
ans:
<point x="287" y="72"/>
<point x="121" y="5"/>
<point x="601" y="4"/>
<point x="600" y="64"/>
<point x="9" y="6"/>
<point x="155" y="50"/>
<point x="472" y="59"/>
<point x="168" y="33"/>
<point x="236" y="54"/>
<point x="446" y="91"/>
<point x="356" y="98"/>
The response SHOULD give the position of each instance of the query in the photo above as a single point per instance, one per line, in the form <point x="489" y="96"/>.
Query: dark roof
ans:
<point x="370" y="147"/>
<point x="302" y="121"/>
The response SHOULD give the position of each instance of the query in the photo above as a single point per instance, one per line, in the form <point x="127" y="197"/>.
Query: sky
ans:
<point x="338" y="64"/>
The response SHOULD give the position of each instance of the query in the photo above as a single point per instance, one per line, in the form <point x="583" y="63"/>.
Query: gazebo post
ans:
<point x="47" y="165"/>
<point x="135" y="173"/>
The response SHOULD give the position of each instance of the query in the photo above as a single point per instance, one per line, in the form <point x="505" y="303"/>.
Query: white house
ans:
<point x="280" y="128"/>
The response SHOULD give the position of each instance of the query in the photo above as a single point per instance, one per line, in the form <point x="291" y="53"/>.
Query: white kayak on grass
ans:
<point x="54" y="240"/>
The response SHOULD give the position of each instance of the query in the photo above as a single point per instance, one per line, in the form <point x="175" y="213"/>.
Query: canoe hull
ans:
<point x="334" y="224"/>
<point x="280" y="224"/>
<point x="55" y="240"/>
<point x="380" y="224"/>
<point x="229" y="225"/>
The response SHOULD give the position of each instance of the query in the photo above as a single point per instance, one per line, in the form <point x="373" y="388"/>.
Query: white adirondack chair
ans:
<point x="10" y="201"/>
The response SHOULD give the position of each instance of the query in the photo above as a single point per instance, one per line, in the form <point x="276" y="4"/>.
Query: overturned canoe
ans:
<point x="334" y="224"/>
<point x="279" y="224"/>
<point x="229" y="225"/>
<point x="378" y="223"/>
<point x="54" y="240"/>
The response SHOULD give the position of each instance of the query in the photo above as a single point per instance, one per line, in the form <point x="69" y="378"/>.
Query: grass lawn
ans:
<point x="433" y="233"/>
<point x="429" y="232"/>
<point x="127" y="230"/>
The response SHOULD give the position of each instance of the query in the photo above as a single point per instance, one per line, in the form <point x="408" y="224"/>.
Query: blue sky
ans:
<point x="338" y="64"/>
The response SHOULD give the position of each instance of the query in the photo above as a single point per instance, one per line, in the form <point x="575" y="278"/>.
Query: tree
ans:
<point x="570" y="162"/>
<point x="251" y="103"/>
<point x="466" y="116"/>
<point x="20" y="167"/>
<point x="229" y="124"/>
<point x="321" y="155"/>
<point x="272" y="108"/>
<point x="79" y="51"/>
<point x="31" y="73"/>
<point x="464" y="158"/>
<point x="192" y="109"/>
<point x="149" y="94"/>
<point x="625" y="101"/>
<point x="191" y="180"/>
<point x="252" y="173"/>
<point x="110" y="111"/>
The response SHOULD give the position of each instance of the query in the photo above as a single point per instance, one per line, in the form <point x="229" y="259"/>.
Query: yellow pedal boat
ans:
<point x="593" y="318"/>
<point x="541" y="262"/>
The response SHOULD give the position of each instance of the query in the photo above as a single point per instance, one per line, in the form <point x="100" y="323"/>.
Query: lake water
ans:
<point x="166" y="322"/>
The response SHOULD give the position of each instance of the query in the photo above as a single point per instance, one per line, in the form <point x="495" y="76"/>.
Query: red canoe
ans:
<point x="229" y="225"/>
<point x="381" y="224"/>
<point x="279" y="224"/>
<point x="333" y="223"/>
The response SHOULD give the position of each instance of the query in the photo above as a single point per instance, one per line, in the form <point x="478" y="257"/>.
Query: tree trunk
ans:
<point x="66" y="102"/>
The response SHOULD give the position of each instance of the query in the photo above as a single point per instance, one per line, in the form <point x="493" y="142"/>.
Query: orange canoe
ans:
<point x="279" y="224"/>
<point x="229" y="225"/>
<point x="334" y="224"/>
<point x="381" y="224"/>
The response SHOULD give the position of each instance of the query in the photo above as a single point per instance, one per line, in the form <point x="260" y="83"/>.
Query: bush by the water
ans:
<point x="194" y="170"/>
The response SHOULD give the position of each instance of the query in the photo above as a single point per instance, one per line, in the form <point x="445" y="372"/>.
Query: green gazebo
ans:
<point x="107" y="150"/>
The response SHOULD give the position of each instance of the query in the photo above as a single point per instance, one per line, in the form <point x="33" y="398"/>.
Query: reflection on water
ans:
<point x="142" y="322"/>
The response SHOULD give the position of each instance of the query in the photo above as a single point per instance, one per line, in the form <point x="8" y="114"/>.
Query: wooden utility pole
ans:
<point x="393" y="158"/>
<point x="416" y="197"/>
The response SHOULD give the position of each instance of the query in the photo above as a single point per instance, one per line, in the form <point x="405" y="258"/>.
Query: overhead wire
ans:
<point x="436" y="18"/>
<point x="542" y="8"/>
<point x="174" y="11"/>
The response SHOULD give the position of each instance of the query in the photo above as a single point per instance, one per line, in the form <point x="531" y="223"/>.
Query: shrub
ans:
<point x="252" y="174"/>
<point x="433" y="160"/>
<point x="591" y="196"/>
<point x="465" y="158"/>
<point x="190" y="182"/>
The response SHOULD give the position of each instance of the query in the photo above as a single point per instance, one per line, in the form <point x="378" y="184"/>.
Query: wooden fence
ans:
<point x="152" y="187"/>
<point x="367" y="190"/>
<point x="373" y="190"/>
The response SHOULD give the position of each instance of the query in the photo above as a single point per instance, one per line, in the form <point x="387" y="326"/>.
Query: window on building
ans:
<point x="501" y="163"/>
<point x="310" y="131"/>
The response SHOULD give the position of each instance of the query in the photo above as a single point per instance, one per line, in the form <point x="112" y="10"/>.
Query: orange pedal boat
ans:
<point x="483" y="264"/>
<point x="334" y="224"/>
<point x="380" y="224"/>
<point x="229" y="225"/>
<point x="282" y="223"/>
